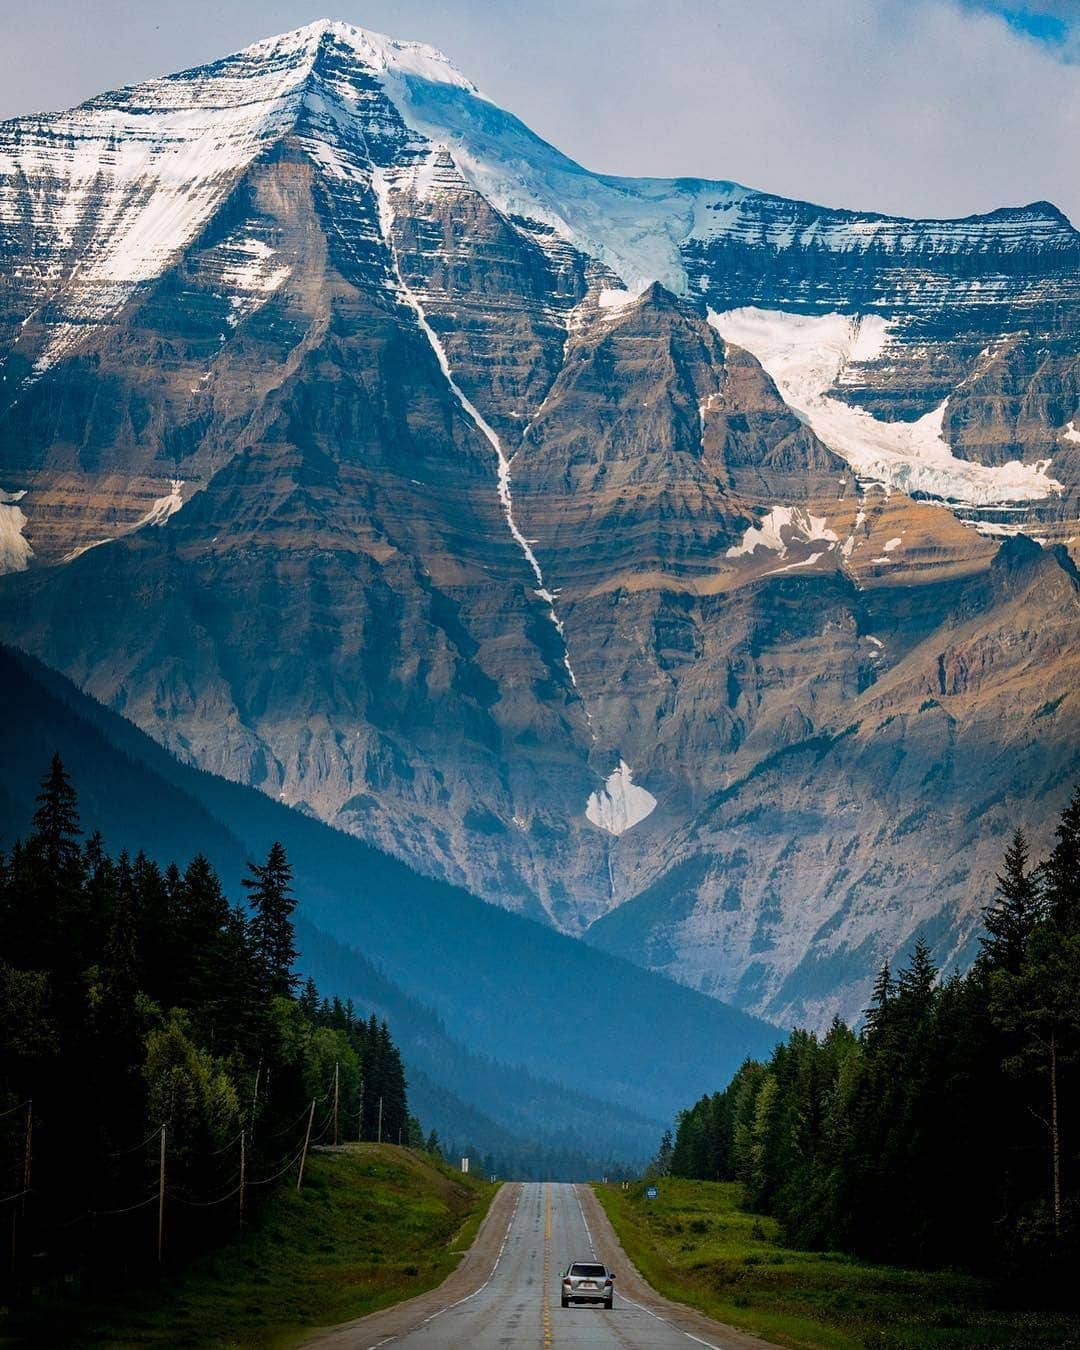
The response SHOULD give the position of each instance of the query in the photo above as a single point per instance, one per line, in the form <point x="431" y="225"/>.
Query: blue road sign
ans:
<point x="651" y="1193"/>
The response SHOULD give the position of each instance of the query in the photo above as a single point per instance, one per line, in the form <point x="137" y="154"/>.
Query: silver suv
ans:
<point x="587" y="1282"/>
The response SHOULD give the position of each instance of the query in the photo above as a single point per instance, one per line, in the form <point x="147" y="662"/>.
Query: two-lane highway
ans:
<point x="532" y="1235"/>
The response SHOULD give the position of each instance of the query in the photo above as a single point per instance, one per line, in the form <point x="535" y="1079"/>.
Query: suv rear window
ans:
<point x="590" y="1272"/>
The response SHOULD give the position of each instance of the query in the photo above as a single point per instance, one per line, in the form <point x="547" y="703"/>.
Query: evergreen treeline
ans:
<point x="133" y="999"/>
<point x="948" y="1131"/>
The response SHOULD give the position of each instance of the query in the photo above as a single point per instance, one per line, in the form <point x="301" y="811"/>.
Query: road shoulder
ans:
<point x="470" y="1275"/>
<point x="631" y="1285"/>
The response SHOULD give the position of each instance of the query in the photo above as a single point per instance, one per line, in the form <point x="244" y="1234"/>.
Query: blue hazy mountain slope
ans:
<point x="512" y="990"/>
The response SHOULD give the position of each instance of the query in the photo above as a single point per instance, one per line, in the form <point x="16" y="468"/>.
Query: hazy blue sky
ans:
<point x="935" y="107"/>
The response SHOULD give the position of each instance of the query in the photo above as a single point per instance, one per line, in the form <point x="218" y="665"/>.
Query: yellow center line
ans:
<point x="547" y="1267"/>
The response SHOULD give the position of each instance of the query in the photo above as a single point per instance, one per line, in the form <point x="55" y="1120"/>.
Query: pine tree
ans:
<point x="153" y="926"/>
<point x="1060" y="874"/>
<point x="120" y="960"/>
<point x="117" y="1021"/>
<point x="661" y="1164"/>
<point x="395" y="1101"/>
<point x="309" y="999"/>
<point x="270" y="896"/>
<point x="201" y="917"/>
<point x="915" y="984"/>
<point x="51" y="925"/>
<point x="239" y="1021"/>
<point x="56" y="820"/>
<point x="1017" y="907"/>
<point x="881" y="998"/>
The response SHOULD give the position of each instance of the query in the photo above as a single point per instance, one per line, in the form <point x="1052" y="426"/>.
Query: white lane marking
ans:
<point x="460" y="1301"/>
<point x="689" y="1335"/>
<point x="584" y="1220"/>
<point x="711" y="1345"/>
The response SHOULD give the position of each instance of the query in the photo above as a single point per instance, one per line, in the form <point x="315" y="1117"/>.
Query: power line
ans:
<point x="108" y="1213"/>
<point x="265" y="1181"/>
<point x="207" y="1204"/>
<point x="155" y="1133"/>
<point x="225" y="1147"/>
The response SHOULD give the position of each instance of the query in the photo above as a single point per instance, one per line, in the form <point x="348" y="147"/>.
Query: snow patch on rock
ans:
<point x="782" y="527"/>
<point x="807" y="356"/>
<point x="163" y="507"/>
<point x="15" y="551"/>
<point x="251" y="273"/>
<point x="159" y="513"/>
<point x="802" y="562"/>
<point x="620" y="804"/>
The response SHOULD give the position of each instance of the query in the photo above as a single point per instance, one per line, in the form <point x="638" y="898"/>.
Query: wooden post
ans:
<point x="307" y="1139"/>
<point x="243" y="1174"/>
<point x="161" y="1200"/>
<point x="380" y="1120"/>
<point x="360" y="1115"/>
<point x="337" y="1098"/>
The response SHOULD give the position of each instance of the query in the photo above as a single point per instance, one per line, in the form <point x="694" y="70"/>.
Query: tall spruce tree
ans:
<point x="56" y="820"/>
<point x="1060" y="874"/>
<point x="915" y="983"/>
<point x="272" y="902"/>
<point x="50" y="891"/>
<point x="881" y="997"/>
<point x="1016" y="909"/>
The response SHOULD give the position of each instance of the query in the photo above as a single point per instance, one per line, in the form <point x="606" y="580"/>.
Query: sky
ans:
<point x="916" y="107"/>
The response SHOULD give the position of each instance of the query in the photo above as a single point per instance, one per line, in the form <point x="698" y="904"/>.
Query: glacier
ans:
<point x="807" y="355"/>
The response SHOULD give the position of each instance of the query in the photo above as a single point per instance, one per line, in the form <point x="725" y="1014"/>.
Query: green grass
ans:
<point x="694" y="1244"/>
<point x="373" y="1225"/>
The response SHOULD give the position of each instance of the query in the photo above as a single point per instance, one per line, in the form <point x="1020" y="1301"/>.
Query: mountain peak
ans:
<point x="383" y="54"/>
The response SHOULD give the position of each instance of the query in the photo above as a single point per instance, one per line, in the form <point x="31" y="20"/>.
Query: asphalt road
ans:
<point x="507" y="1291"/>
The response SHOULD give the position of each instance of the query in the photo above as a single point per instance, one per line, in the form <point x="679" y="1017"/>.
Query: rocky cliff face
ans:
<point x="669" y="561"/>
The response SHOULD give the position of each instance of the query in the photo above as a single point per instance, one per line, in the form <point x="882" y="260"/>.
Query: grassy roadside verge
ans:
<point x="374" y="1224"/>
<point x="695" y="1245"/>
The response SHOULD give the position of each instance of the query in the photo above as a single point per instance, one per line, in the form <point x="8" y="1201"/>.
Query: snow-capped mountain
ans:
<point x="644" y="554"/>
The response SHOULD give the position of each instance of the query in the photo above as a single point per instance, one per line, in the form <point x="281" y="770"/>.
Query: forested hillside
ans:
<point x="161" y="1072"/>
<point x="947" y="1131"/>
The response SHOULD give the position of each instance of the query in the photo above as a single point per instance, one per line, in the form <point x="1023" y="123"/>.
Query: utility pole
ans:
<point x="243" y="1175"/>
<point x="255" y="1097"/>
<point x="161" y="1200"/>
<point x="380" y="1120"/>
<point x="28" y="1152"/>
<point x="1055" y="1133"/>
<point x="360" y="1115"/>
<point x="19" y="1211"/>
<point x="307" y="1139"/>
<point x="337" y="1098"/>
